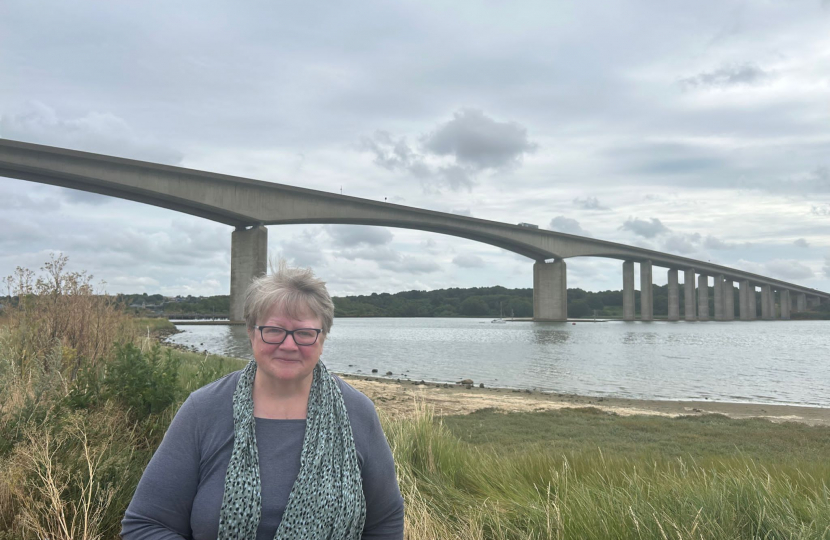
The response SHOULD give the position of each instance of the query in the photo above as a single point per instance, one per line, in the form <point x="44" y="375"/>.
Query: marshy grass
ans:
<point x="455" y="489"/>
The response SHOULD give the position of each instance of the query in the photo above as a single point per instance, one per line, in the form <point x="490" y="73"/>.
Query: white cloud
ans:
<point x="788" y="269"/>
<point x="468" y="261"/>
<point x="353" y="235"/>
<point x="568" y="226"/>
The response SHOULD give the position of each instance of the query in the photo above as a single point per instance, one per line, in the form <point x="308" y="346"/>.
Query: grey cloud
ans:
<point x="826" y="267"/>
<point x="478" y="141"/>
<point x="397" y="156"/>
<point x="802" y="243"/>
<point x="410" y="265"/>
<point x="456" y="177"/>
<point x="99" y="132"/>
<point x="468" y="261"/>
<point x="303" y="249"/>
<point x="589" y="203"/>
<point x="389" y="259"/>
<point x="26" y="202"/>
<point x="821" y="210"/>
<point x="736" y="74"/>
<point x="567" y="226"/>
<point x="712" y="242"/>
<point x="377" y="254"/>
<point x="394" y="155"/>
<point x="817" y="181"/>
<point x="645" y="228"/>
<point x="682" y="243"/>
<point x="667" y="160"/>
<point x="353" y="235"/>
<point x="474" y="141"/>
<point x="788" y="269"/>
<point x="84" y="197"/>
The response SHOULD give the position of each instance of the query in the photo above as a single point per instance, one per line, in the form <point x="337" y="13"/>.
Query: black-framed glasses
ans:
<point x="274" y="335"/>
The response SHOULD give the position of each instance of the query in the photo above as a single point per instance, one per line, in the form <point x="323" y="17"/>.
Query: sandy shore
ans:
<point x="398" y="399"/>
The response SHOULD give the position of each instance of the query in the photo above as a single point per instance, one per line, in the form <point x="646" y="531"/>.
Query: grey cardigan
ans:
<point x="180" y="493"/>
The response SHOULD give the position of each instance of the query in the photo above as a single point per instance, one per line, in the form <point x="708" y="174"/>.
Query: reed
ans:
<point x="457" y="490"/>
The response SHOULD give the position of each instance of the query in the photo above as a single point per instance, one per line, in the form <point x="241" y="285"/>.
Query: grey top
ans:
<point x="180" y="493"/>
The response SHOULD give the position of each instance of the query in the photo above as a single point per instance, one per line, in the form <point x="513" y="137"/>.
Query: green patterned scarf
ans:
<point x="327" y="498"/>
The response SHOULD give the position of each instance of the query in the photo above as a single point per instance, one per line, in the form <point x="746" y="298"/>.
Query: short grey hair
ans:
<point x="294" y="292"/>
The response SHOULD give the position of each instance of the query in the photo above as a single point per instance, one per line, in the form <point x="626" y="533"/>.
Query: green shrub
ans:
<point x="146" y="383"/>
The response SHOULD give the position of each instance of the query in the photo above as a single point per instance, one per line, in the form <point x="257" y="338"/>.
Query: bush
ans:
<point x="144" y="383"/>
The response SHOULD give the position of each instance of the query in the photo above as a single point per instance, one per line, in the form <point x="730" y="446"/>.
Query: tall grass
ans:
<point x="456" y="490"/>
<point x="87" y="396"/>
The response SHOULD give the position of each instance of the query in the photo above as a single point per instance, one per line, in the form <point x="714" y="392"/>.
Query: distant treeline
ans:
<point x="496" y="301"/>
<point x="455" y="302"/>
<point x="486" y="302"/>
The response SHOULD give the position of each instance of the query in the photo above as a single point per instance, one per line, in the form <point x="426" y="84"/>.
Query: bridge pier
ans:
<point x="249" y="260"/>
<point x="719" y="297"/>
<point x="728" y="300"/>
<point x="628" y="290"/>
<point x="550" y="291"/>
<point x="646" y="292"/>
<point x="767" y="303"/>
<point x="753" y="303"/>
<point x="743" y="300"/>
<point x="674" y="296"/>
<point x="703" y="297"/>
<point x="689" y="294"/>
<point x="801" y="302"/>
<point x="785" y="303"/>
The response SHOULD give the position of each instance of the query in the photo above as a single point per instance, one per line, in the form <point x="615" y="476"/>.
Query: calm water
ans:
<point x="764" y="362"/>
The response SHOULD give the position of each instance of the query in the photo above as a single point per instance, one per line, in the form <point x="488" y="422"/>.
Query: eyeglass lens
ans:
<point x="302" y="336"/>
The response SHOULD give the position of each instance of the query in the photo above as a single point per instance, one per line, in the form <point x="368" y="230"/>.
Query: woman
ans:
<point x="281" y="449"/>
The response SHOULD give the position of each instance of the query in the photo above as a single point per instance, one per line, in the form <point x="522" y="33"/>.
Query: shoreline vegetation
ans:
<point x="486" y="302"/>
<point x="88" y="393"/>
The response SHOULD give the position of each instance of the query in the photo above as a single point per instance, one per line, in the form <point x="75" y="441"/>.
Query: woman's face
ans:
<point x="286" y="362"/>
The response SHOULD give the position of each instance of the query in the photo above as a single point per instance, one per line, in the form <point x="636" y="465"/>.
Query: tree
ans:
<point x="474" y="306"/>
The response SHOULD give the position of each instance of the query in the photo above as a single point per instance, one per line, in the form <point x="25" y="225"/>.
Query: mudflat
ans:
<point x="398" y="399"/>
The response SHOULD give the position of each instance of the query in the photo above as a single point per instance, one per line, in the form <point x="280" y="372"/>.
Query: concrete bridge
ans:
<point x="249" y="205"/>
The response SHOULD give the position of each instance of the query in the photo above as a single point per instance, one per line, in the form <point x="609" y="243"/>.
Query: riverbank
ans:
<point x="398" y="399"/>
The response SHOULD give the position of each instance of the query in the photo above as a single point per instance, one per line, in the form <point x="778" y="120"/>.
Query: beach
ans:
<point x="398" y="399"/>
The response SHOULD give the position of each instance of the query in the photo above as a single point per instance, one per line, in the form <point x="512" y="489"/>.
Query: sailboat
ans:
<point x="500" y="320"/>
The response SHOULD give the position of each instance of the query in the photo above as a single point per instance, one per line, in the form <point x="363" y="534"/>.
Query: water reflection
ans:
<point x="549" y="336"/>
<point x="770" y="362"/>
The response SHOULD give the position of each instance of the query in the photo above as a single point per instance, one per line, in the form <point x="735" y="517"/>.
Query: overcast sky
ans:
<point x="697" y="128"/>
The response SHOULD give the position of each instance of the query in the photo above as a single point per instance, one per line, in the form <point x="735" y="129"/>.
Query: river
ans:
<point x="774" y="362"/>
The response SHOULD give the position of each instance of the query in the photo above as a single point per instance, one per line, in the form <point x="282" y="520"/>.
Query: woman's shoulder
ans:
<point x="219" y="392"/>
<point x="361" y="410"/>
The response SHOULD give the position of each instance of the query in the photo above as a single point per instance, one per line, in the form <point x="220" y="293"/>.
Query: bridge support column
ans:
<point x="753" y="305"/>
<point x="767" y="302"/>
<point x="801" y="302"/>
<point x="550" y="291"/>
<point x="689" y="294"/>
<point x="719" y="297"/>
<point x="785" y="303"/>
<point x="249" y="260"/>
<point x="743" y="300"/>
<point x="628" y="291"/>
<point x="702" y="297"/>
<point x="728" y="300"/>
<point x="674" y="296"/>
<point x="646" y="292"/>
